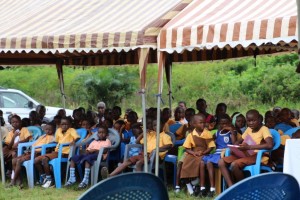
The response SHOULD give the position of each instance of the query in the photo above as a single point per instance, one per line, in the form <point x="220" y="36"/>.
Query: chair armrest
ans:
<point x="46" y="146"/>
<point x="23" y="145"/>
<point x="60" y="148"/>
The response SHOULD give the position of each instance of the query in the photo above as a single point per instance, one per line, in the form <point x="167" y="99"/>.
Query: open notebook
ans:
<point x="237" y="152"/>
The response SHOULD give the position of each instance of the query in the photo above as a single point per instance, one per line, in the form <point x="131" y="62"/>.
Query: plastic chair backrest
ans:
<point x="276" y="138"/>
<point x="174" y="127"/>
<point x="82" y="132"/>
<point x="138" y="185"/>
<point x="173" y="137"/>
<point x="114" y="137"/>
<point x="266" y="186"/>
<point x="291" y="131"/>
<point x="36" y="132"/>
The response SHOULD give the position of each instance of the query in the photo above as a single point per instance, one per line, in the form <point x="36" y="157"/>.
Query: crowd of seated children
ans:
<point x="201" y="135"/>
<point x="88" y="158"/>
<point x="165" y="143"/>
<point x="263" y="140"/>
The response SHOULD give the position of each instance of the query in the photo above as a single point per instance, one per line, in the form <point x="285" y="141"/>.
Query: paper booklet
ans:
<point x="242" y="154"/>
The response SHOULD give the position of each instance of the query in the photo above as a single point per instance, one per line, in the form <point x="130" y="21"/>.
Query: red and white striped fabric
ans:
<point x="59" y="26"/>
<point x="209" y="24"/>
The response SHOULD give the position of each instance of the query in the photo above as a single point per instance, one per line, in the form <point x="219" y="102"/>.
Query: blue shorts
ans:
<point x="213" y="158"/>
<point x="90" y="158"/>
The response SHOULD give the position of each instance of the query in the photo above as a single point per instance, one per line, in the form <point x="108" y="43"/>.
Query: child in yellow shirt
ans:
<point x="18" y="161"/>
<point x="17" y="135"/>
<point x="64" y="134"/>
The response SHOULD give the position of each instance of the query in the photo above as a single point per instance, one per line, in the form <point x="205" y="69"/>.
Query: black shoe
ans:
<point x="82" y="185"/>
<point x="203" y="193"/>
<point x="69" y="184"/>
<point x="196" y="191"/>
<point x="211" y="194"/>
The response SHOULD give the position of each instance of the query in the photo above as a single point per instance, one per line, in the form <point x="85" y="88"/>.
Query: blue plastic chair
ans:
<point x="258" y="167"/>
<point x="56" y="162"/>
<point x="140" y="185"/>
<point x="269" y="186"/>
<point x="291" y="131"/>
<point x="36" y="132"/>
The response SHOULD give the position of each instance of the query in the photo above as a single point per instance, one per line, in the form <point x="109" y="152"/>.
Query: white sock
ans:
<point x="86" y="175"/>
<point x="212" y="189"/>
<point x="72" y="178"/>
<point x="202" y="188"/>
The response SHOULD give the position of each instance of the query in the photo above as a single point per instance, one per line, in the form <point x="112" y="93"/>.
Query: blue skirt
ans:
<point x="90" y="158"/>
<point x="213" y="158"/>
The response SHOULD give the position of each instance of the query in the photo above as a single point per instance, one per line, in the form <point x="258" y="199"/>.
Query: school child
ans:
<point x="89" y="158"/>
<point x="17" y="135"/>
<point x="296" y="135"/>
<point x="127" y="133"/>
<point x="18" y="161"/>
<point x="197" y="144"/>
<point x="116" y="113"/>
<point x="178" y="127"/>
<point x="64" y="134"/>
<point x="226" y="134"/>
<point x="284" y="121"/>
<point x="137" y="131"/>
<point x="295" y="117"/>
<point x="263" y="139"/>
<point x="220" y="110"/>
<point x="166" y="119"/>
<point x="239" y="122"/>
<point x="201" y="107"/>
<point x="165" y="143"/>
<point x="189" y="130"/>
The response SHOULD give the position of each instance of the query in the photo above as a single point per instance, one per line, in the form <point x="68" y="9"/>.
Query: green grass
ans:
<point x="39" y="193"/>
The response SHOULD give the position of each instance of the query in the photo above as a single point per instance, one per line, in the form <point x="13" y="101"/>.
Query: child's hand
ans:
<point x="197" y="154"/>
<point x="244" y="146"/>
<point x="15" y="146"/>
<point x="72" y="143"/>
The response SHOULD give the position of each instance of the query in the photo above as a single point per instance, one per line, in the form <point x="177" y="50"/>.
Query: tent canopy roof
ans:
<point x="229" y="24"/>
<point x="59" y="26"/>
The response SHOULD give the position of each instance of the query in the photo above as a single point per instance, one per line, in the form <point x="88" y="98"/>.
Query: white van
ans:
<point x="15" y="101"/>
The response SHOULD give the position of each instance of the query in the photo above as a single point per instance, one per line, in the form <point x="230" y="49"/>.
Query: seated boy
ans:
<point x="89" y="157"/>
<point x="263" y="139"/>
<point x="18" y="161"/>
<point x="64" y="134"/>
<point x="17" y="135"/>
<point x="165" y="143"/>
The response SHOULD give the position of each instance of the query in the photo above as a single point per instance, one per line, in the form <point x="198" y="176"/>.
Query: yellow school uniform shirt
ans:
<point x="257" y="137"/>
<point x="24" y="133"/>
<point x="164" y="139"/>
<point x="68" y="136"/>
<point x="190" y="143"/>
<point x="44" y="139"/>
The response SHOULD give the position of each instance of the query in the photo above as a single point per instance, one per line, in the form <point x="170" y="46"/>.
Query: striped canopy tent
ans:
<point x="222" y="29"/>
<point x="84" y="32"/>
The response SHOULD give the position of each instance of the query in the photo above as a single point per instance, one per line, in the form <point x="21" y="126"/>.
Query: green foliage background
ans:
<point x="241" y="83"/>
